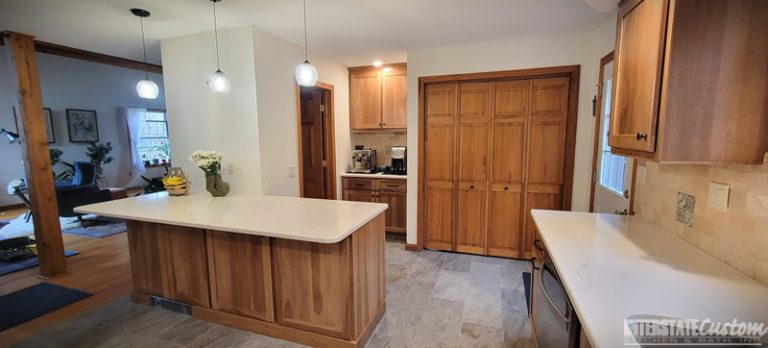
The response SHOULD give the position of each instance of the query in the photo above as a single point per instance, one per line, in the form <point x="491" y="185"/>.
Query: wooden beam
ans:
<point x="20" y="50"/>
<point x="76" y="53"/>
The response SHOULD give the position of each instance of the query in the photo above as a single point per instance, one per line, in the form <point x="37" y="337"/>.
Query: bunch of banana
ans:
<point x="175" y="185"/>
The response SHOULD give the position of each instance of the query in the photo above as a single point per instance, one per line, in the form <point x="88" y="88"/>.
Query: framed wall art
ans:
<point x="82" y="126"/>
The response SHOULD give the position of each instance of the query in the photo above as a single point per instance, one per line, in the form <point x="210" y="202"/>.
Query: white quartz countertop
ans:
<point x="615" y="266"/>
<point x="305" y="219"/>
<point x="374" y="176"/>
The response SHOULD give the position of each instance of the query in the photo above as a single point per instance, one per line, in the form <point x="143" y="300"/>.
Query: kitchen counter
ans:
<point x="304" y="219"/>
<point x="306" y="270"/>
<point x="615" y="266"/>
<point x="374" y="176"/>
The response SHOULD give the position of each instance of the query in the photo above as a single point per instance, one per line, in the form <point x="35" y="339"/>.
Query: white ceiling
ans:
<point x="350" y="32"/>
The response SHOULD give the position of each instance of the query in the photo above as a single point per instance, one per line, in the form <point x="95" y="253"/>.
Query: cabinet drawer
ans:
<point x="392" y="185"/>
<point x="358" y="183"/>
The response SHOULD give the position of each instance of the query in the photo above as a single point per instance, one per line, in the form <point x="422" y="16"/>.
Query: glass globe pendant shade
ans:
<point x="306" y="74"/>
<point x="218" y="82"/>
<point x="147" y="89"/>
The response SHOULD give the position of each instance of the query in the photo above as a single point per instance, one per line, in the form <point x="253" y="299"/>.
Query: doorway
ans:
<point x="612" y="175"/>
<point x="317" y="163"/>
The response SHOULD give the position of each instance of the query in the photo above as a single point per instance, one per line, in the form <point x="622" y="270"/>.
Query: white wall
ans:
<point x="577" y="46"/>
<point x="276" y="60"/>
<point x="71" y="83"/>
<point x="254" y="125"/>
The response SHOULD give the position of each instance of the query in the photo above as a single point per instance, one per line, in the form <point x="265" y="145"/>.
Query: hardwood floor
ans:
<point x="433" y="299"/>
<point x="102" y="268"/>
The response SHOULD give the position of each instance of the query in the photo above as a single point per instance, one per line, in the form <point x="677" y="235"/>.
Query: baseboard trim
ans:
<point x="412" y="247"/>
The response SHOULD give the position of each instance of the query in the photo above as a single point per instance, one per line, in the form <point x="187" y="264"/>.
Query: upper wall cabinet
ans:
<point x="377" y="98"/>
<point x="691" y="81"/>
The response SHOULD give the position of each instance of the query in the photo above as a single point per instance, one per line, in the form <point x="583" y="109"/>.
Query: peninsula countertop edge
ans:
<point x="303" y="219"/>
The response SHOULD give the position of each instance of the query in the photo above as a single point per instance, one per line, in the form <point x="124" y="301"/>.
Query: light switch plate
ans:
<point x="718" y="196"/>
<point x="642" y="173"/>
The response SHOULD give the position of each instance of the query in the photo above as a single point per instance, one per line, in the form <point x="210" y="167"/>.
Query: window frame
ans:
<point x="167" y="138"/>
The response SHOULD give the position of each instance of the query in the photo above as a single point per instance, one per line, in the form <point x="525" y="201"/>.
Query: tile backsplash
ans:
<point x="379" y="142"/>
<point x="738" y="236"/>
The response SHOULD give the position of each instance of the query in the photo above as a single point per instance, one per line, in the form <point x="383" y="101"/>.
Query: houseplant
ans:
<point x="210" y="163"/>
<point x="98" y="153"/>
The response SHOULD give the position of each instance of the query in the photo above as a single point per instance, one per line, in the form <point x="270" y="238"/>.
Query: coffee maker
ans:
<point x="363" y="160"/>
<point x="399" y="160"/>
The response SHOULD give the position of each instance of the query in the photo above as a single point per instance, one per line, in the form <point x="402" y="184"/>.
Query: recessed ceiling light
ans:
<point x="377" y="63"/>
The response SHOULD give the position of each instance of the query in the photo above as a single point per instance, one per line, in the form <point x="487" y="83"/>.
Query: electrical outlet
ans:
<point x="291" y="171"/>
<point x="718" y="196"/>
<point x="686" y="205"/>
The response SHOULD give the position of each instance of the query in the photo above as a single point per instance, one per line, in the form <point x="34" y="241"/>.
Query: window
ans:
<point x="612" y="167"/>
<point x="154" y="142"/>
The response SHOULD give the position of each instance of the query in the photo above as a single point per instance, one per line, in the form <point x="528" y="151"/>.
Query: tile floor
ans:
<point x="434" y="299"/>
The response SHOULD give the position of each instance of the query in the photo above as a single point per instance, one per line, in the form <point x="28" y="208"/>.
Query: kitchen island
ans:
<point x="305" y="270"/>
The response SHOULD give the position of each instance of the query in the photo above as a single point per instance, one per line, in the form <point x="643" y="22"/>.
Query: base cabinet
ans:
<point x="321" y="295"/>
<point x="389" y="191"/>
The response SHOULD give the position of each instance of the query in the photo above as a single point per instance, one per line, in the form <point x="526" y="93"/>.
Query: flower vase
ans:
<point x="216" y="186"/>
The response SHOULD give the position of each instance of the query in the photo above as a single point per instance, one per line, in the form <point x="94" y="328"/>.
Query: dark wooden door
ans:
<point x="313" y="143"/>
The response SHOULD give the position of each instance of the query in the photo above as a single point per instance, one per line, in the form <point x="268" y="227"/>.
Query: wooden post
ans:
<point x="20" y="51"/>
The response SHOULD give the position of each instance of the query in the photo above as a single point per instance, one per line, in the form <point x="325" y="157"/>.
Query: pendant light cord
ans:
<point x="144" y="46"/>
<point x="306" y="50"/>
<point x="216" y="35"/>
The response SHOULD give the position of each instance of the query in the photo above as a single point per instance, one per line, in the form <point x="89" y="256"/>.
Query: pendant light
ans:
<point x="306" y="73"/>
<point x="217" y="81"/>
<point x="146" y="88"/>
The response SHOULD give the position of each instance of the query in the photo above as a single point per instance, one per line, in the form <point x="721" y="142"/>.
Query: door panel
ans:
<point x="508" y="154"/>
<point x="359" y="195"/>
<point x="470" y="217"/>
<point x="187" y="272"/>
<point x="312" y="142"/>
<point x="639" y="52"/>
<point x="547" y="148"/>
<point x="511" y="101"/>
<point x="365" y="102"/>
<point x="440" y="152"/>
<point x="394" y="99"/>
<point x="473" y="152"/>
<point x="144" y="248"/>
<point x="538" y="198"/>
<point x="440" y="203"/>
<point x="504" y="223"/>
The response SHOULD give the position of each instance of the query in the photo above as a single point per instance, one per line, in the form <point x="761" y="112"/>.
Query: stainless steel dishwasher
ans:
<point x="556" y="323"/>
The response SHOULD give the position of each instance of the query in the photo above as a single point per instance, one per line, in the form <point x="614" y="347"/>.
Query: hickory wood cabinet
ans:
<point x="389" y="191"/>
<point x="690" y="81"/>
<point x="494" y="150"/>
<point x="377" y="98"/>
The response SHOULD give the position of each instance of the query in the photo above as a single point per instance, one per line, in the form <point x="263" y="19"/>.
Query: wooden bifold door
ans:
<point x="493" y="150"/>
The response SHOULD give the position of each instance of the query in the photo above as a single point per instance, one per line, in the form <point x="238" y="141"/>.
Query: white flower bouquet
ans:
<point x="208" y="161"/>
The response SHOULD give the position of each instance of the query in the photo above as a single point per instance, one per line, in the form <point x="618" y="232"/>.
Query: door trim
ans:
<point x="570" y="71"/>
<point x="330" y="134"/>
<point x="598" y="103"/>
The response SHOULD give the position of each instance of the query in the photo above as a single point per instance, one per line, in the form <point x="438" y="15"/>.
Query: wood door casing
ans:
<point x="365" y="101"/>
<point x="441" y="114"/>
<point x="546" y="150"/>
<point x="313" y="143"/>
<point x="637" y="74"/>
<point x="393" y="100"/>
<point x="240" y="273"/>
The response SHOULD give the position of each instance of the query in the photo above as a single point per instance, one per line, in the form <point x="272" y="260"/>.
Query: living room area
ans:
<point x="105" y="143"/>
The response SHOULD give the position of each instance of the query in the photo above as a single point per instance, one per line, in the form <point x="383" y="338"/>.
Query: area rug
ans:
<point x="99" y="228"/>
<point x="10" y="267"/>
<point x="110" y="228"/>
<point x="527" y="287"/>
<point x="29" y="303"/>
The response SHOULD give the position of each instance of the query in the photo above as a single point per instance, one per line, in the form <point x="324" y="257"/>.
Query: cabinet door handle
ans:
<point x="471" y="187"/>
<point x="537" y="244"/>
<point x="641" y="136"/>
<point x="506" y="188"/>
